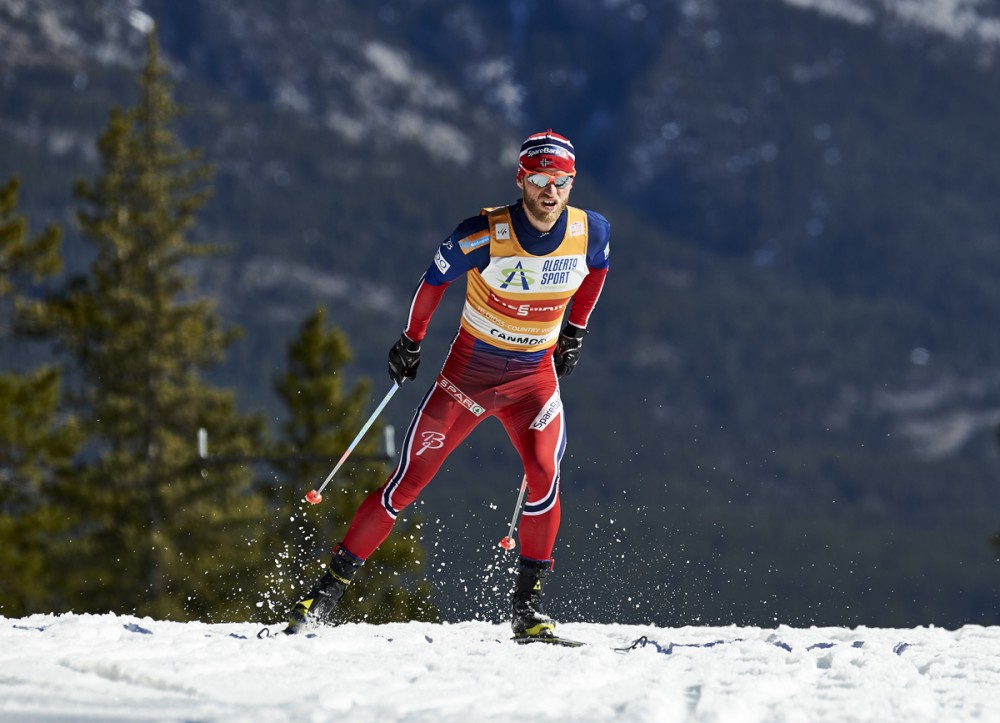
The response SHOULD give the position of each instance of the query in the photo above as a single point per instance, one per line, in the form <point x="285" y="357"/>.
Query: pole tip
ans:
<point x="313" y="497"/>
<point x="508" y="543"/>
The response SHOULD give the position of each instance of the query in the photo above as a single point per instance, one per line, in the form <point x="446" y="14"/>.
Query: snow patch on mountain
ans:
<point x="957" y="19"/>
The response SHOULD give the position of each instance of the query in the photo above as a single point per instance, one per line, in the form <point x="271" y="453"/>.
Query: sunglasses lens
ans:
<point x="541" y="180"/>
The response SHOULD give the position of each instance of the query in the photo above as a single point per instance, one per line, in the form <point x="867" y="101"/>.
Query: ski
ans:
<point x="547" y="639"/>
<point x="266" y="633"/>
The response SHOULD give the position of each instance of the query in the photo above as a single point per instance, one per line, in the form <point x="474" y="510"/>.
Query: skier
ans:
<point x="523" y="264"/>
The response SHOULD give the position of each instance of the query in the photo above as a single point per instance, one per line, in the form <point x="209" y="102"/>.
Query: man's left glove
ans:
<point x="404" y="358"/>
<point x="567" y="352"/>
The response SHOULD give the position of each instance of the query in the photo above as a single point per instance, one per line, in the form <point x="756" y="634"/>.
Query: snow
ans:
<point x="122" y="668"/>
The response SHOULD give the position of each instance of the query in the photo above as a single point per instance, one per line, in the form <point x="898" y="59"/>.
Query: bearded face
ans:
<point x="543" y="206"/>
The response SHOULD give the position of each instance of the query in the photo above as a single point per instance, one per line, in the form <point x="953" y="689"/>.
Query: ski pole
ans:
<point x="508" y="543"/>
<point x="314" y="497"/>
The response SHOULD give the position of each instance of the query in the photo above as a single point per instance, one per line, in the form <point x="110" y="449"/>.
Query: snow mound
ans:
<point x="123" y="668"/>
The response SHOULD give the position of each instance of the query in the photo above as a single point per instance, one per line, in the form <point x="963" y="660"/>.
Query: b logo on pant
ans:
<point x="432" y="440"/>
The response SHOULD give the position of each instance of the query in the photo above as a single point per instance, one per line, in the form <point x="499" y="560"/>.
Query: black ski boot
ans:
<point x="316" y="608"/>
<point x="529" y="620"/>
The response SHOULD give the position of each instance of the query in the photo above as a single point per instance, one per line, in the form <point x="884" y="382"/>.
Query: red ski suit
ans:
<point x="500" y="362"/>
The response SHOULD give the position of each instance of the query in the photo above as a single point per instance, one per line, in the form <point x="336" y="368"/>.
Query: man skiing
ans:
<point x="523" y="264"/>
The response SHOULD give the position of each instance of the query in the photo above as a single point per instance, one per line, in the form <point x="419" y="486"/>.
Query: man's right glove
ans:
<point x="404" y="358"/>
<point x="567" y="352"/>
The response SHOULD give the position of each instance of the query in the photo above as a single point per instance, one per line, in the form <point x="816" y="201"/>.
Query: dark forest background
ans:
<point x="787" y="408"/>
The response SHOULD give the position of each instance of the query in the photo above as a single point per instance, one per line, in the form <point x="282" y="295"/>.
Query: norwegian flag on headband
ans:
<point x="548" y="152"/>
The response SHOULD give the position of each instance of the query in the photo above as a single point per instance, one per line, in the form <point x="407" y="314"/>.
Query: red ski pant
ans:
<point x="476" y="382"/>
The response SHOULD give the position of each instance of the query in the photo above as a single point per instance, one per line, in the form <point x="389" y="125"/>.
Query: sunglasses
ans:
<point x="542" y="180"/>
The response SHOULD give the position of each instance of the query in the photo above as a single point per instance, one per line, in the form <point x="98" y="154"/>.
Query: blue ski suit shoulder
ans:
<point x="468" y="247"/>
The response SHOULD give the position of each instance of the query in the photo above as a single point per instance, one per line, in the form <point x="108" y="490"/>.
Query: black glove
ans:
<point x="404" y="358"/>
<point x="567" y="352"/>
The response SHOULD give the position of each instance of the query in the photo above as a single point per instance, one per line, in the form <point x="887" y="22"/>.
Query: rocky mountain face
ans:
<point x="789" y="396"/>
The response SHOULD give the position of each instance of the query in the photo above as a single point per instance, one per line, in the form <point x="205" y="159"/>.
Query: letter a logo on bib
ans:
<point x="514" y="276"/>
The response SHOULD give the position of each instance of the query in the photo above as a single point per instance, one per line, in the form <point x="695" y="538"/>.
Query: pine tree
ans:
<point x="323" y="419"/>
<point x="161" y="536"/>
<point x="37" y="444"/>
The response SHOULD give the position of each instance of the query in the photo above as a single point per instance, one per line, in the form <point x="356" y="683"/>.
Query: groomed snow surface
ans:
<point x="123" y="668"/>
